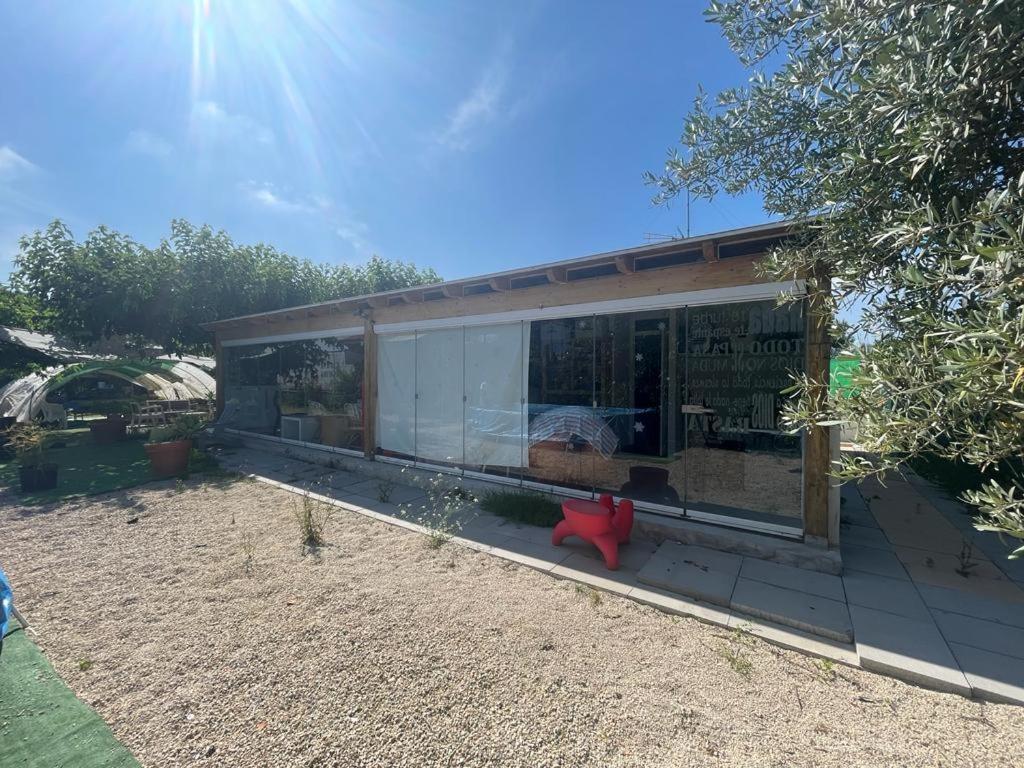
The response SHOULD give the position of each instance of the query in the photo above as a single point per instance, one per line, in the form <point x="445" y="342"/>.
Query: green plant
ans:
<point x="965" y="560"/>
<point x="28" y="443"/>
<point x="84" y="665"/>
<point x="523" y="507"/>
<point x="183" y="428"/>
<point x="889" y="132"/>
<point x="248" y="547"/>
<point x="735" y="650"/>
<point x="312" y="515"/>
<point x="439" y="514"/>
<point x="826" y="669"/>
<point x="591" y="594"/>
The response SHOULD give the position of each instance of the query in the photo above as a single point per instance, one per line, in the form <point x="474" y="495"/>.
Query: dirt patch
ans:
<point x="213" y="640"/>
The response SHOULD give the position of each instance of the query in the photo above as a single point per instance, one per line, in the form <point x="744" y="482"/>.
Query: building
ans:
<point x="654" y="373"/>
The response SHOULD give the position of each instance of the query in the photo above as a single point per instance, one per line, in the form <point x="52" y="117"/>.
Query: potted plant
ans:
<point x="169" y="447"/>
<point x="29" y="445"/>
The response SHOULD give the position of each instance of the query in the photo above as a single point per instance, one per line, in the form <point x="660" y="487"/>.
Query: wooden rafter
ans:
<point x="500" y="283"/>
<point x="710" y="251"/>
<point x="625" y="264"/>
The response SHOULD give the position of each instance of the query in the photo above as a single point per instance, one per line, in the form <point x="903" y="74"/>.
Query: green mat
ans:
<point x="42" y="724"/>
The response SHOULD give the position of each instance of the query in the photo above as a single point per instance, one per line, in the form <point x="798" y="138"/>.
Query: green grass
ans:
<point x="523" y="507"/>
<point x="87" y="469"/>
<point x="41" y="721"/>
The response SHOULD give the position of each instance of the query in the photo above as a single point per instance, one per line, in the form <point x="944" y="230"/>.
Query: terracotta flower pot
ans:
<point x="169" y="459"/>
<point x="38" y="477"/>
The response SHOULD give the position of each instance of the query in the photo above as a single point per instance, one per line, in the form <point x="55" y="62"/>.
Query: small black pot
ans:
<point x="41" y="477"/>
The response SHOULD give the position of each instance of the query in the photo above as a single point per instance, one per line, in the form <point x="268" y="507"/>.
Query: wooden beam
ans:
<point x="557" y="275"/>
<point x="816" y="440"/>
<point x="377" y="302"/>
<point x="453" y="291"/>
<point x="218" y="372"/>
<point x="413" y="297"/>
<point x="710" y="250"/>
<point x="625" y="264"/>
<point x="500" y="283"/>
<point x="369" y="389"/>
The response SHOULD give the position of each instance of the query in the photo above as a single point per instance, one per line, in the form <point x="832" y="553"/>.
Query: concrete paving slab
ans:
<point x="534" y="533"/>
<point x="864" y="536"/>
<point x="541" y="558"/>
<point x="670" y="602"/>
<point x="795" y="639"/>
<point x="906" y="649"/>
<point x="399" y="492"/>
<point x="594" y="574"/>
<point x="804" y="611"/>
<point x="705" y="574"/>
<point x="955" y="601"/>
<point x="632" y="556"/>
<point x="897" y="596"/>
<point x="940" y="570"/>
<point x="858" y="517"/>
<point x="987" y="635"/>
<point x="992" y="676"/>
<point x="872" y="560"/>
<point x="814" y="582"/>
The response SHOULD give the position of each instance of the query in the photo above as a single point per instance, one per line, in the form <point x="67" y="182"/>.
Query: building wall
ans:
<point x="720" y="468"/>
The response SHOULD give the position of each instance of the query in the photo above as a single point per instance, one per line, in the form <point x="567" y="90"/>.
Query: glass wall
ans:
<point x="677" y="408"/>
<point x="309" y="390"/>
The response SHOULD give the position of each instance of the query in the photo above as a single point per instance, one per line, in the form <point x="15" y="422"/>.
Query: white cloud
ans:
<point x="210" y="120"/>
<point x="346" y="226"/>
<point x="477" y="110"/>
<point x="12" y="164"/>
<point x="146" y="143"/>
<point x="266" y="196"/>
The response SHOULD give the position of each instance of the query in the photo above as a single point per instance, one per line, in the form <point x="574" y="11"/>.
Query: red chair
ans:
<point x="601" y="524"/>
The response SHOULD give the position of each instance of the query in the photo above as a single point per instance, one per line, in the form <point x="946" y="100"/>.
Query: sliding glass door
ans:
<point x="677" y="409"/>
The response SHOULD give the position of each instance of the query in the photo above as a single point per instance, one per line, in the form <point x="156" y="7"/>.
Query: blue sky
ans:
<point x="467" y="136"/>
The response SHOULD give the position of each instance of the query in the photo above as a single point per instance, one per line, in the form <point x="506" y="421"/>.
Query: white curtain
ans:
<point x="439" y="417"/>
<point x="495" y="374"/>
<point x="396" y="393"/>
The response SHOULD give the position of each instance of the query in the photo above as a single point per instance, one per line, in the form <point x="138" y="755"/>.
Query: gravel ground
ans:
<point x="383" y="652"/>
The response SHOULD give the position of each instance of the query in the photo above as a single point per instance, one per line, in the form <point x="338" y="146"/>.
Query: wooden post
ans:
<point x="369" y="387"/>
<point x="219" y="372"/>
<point x="816" y="441"/>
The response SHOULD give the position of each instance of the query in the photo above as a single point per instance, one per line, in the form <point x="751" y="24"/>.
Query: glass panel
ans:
<point x="738" y="462"/>
<point x="636" y="399"/>
<point x="396" y="395"/>
<point x="564" y="433"/>
<point x="250" y="388"/>
<point x="495" y="429"/>
<point x="439" y="406"/>
<point x="337" y="401"/>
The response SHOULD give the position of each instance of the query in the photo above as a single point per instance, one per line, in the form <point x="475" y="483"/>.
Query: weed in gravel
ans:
<point x="248" y="554"/>
<point x="439" y="514"/>
<point x="593" y="595"/>
<point x="84" y="665"/>
<point x="179" y="486"/>
<point x="312" y="515"/>
<point x="826" y="669"/>
<point x="735" y="652"/>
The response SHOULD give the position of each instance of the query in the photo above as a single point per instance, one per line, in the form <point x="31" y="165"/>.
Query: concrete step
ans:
<point x="698" y="572"/>
<point x="792" y="608"/>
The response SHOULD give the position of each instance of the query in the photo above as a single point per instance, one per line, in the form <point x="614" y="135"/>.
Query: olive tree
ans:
<point x="892" y="131"/>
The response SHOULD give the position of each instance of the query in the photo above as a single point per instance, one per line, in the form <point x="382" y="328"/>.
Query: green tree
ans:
<point x="18" y="310"/>
<point x="109" y="285"/>
<point x="893" y="131"/>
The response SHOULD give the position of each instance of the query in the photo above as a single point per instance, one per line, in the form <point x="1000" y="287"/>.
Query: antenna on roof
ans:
<point x="687" y="211"/>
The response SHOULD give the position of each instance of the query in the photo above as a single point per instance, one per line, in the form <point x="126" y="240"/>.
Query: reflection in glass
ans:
<point x="396" y="395"/>
<point x="634" y="374"/>
<point x="739" y="358"/>
<point x="564" y="432"/>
